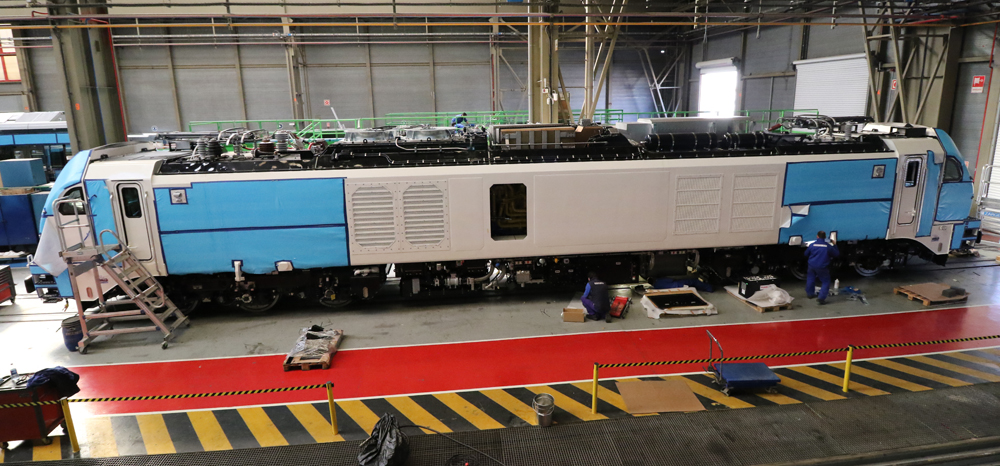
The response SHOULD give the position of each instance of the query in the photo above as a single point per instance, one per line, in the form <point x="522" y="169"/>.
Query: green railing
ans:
<point x="315" y="129"/>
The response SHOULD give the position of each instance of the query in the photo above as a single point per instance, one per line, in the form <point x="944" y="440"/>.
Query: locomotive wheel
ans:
<point x="335" y="303"/>
<point x="798" y="270"/>
<point x="186" y="304"/>
<point x="258" y="302"/>
<point x="865" y="270"/>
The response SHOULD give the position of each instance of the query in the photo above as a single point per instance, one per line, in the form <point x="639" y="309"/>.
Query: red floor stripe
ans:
<point x="542" y="360"/>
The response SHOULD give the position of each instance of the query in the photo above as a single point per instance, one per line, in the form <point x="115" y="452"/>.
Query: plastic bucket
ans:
<point x="72" y="332"/>
<point x="544" y="405"/>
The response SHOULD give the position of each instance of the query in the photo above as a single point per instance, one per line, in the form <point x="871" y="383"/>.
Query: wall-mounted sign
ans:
<point x="978" y="83"/>
<point x="894" y="84"/>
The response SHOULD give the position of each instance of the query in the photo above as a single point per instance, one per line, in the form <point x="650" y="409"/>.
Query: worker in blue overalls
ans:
<point x="595" y="299"/>
<point x="460" y="120"/>
<point x="818" y="256"/>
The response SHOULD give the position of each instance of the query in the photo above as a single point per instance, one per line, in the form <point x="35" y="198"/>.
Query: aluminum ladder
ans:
<point x="89" y="255"/>
<point x="989" y="199"/>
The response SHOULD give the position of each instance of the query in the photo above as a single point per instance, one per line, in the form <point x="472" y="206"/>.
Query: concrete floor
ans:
<point x="30" y="337"/>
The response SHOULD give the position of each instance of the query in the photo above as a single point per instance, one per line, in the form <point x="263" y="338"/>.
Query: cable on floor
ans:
<point x="456" y="441"/>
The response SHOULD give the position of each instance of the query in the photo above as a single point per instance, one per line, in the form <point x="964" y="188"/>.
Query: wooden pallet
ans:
<point x="928" y="293"/>
<point x="782" y="307"/>
<point x="322" y="362"/>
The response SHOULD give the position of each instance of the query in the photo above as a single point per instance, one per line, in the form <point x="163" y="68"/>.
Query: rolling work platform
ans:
<point x="86" y="253"/>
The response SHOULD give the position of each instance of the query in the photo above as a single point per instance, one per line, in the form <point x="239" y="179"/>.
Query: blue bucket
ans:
<point x="72" y="332"/>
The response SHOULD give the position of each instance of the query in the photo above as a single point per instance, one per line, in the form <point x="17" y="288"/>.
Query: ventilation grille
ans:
<point x="424" y="215"/>
<point x="754" y="202"/>
<point x="698" y="203"/>
<point x="372" y="212"/>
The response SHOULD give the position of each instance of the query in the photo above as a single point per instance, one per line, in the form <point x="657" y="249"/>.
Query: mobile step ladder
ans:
<point x="989" y="199"/>
<point x="90" y="255"/>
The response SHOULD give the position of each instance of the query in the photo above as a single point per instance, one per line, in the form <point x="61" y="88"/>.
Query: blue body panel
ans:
<point x="37" y="138"/>
<point x="62" y="281"/>
<point x="838" y="181"/>
<point x="215" y="251"/>
<point x="954" y="202"/>
<point x="256" y="222"/>
<point x="100" y="207"/>
<point x="70" y="175"/>
<point x="253" y="204"/>
<point x="851" y="221"/>
<point x="18" y="218"/>
<point x="931" y="185"/>
<point x="37" y="207"/>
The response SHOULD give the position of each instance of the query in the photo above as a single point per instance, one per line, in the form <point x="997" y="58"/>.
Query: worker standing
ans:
<point x="595" y="298"/>
<point x="460" y="120"/>
<point x="818" y="256"/>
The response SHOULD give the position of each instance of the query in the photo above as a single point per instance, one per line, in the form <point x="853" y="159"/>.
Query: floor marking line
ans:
<point x="417" y="414"/>
<point x="361" y="414"/>
<point x="315" y="423"/>
<point x="920" y="373"/>
<point x="830" y="378"/>
<point x="712" y="394"/>
<point x="975" y="359"/>
<point x="266" y="433"/>
<point x="99" y="438"/>
<point x="50" y="452"/>
<point x="512" y="405"/>
<point x="468" y="411"/>
<point x="209" y="431"/>
<point x="957" y="368"/>
<point x="567" y="404"/>
<point x="155" y="436"/>
<point x="603" y="394"/>
<point x="488" y="340"/>
<point x="884" y="378"/>
<point x="810" y="390"/>
<point x="778" y="398"/>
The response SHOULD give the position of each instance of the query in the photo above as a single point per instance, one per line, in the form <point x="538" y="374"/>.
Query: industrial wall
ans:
<point x="768" y="76"/>
<point x="166" y="87"/>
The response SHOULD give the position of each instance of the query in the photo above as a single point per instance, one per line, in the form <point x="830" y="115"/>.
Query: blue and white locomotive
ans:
<point x="513" y="206"/>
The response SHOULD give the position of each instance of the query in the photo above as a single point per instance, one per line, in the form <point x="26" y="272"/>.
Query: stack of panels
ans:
<point x="20" y="173"/>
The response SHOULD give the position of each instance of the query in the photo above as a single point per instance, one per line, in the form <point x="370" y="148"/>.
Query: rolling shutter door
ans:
<point x="836" y="86"/>
<point x="991" y="203"/>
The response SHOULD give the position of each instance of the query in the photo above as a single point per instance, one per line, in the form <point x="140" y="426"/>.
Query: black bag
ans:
<point x="387" y="446"/>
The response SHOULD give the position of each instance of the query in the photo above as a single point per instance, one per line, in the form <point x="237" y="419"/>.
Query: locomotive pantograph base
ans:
<point x="929" y="293"/>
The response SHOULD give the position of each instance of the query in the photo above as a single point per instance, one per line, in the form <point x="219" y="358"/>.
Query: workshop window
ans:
<point x="952" y="170"/>
<point x="508" y="212"/>
<point x="717" y="92"/>
<point x="9" y="72"/>
<point x="131" y="204"/>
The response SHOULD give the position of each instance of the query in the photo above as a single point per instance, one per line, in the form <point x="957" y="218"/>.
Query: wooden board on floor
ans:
<point x="733" y="291"/>
<point x="659" y="397"/>
<point x="928" y="293"/>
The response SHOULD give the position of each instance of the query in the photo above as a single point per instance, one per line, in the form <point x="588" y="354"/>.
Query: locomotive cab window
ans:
<point x="131" y="203"/>
<point x="508" y="212"/>
<point x="912" y="173"/>
<point x="952" y="169"/>
<point x="72" y="208"/>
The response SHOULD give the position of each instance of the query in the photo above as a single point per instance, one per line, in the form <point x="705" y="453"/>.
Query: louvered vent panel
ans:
<point x="372" y="211"/>
<point x="698" y="201"/>
<point x="424" y="215"/>
<point x="754" y="199"/>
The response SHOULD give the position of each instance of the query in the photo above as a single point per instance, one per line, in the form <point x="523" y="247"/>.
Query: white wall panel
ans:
<point x="836" y="86"/>
<point x="207" y="94"/>
<point x="149" y="100"/>
<point x="401" y="89"/>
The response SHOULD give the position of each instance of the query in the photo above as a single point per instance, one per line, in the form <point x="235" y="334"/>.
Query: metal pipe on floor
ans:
<point x="593" y="403"/>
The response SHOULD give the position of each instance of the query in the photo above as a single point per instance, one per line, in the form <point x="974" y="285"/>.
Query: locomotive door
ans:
<point x="132" y="212"/>
<point x="910" y="183"/>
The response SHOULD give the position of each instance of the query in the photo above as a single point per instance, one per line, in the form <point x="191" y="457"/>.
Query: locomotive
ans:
<point x="245" y="218"/>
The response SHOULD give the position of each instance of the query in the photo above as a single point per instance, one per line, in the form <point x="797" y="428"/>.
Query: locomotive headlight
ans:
<point x="795" y="241"/>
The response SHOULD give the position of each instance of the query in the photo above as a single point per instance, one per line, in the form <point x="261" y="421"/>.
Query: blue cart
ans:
<point x="739" y="375"/>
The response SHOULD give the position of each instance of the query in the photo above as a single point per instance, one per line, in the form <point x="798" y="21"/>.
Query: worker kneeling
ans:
<point x="595" y="298"/>
<point x="818" y="256"/>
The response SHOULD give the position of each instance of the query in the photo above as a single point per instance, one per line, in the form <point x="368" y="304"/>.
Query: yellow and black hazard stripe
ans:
<point x="168" y="397"/>
<point x="931" y="342"/>
<point x="730" y="359"/>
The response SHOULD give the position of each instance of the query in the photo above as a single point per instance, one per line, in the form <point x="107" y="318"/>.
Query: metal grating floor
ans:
<point x="763" y="435"/>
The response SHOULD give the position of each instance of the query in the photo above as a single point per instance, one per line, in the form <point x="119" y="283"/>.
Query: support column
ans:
<point x="539" y="71"/>
<point x="293" y="63"/>
<point x="84" y="62"/>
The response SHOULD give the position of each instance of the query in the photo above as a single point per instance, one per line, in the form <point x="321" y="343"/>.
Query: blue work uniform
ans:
<point x="458" y="120"/>
<point x="818" y="256"/>
<point x="595" y="299"/>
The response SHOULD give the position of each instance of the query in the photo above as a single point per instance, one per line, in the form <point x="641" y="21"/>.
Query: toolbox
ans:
<point x="754" y="283"/>
<point x="30" y="423"/>
<point x="619" y="306"/>
<point x="7" y="291"/>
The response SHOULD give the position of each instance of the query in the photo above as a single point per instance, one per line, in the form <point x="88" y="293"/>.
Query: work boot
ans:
<point x="821" y="302"/>
<point x="811" y="296"/>
<point x="589" y="317"/>
<point x="607" y="318"/>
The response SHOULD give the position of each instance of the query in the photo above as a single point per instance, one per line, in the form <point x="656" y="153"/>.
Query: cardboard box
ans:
<point x="570" y="314"/>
